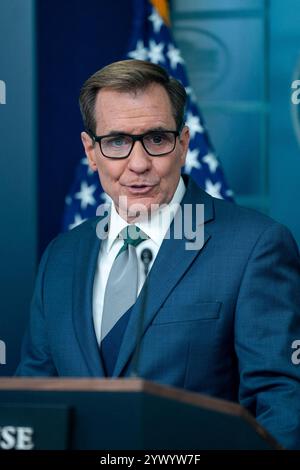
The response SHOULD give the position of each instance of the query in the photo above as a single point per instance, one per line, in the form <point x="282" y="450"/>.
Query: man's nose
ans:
<point x="139" y="161"/>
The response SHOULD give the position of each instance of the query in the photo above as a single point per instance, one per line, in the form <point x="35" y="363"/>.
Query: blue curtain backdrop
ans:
<point x="74" y="39"/>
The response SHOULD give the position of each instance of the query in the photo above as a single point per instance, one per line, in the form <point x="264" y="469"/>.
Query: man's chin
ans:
<point x="136" y="208"/>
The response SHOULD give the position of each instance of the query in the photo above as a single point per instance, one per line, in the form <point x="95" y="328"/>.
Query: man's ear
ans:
<point x="184" y="140"/>
<point x="90" y="150"/>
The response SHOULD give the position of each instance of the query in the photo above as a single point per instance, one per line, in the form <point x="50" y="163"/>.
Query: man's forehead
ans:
<point x="107" y="94"/>
<point x="115" y="107"/>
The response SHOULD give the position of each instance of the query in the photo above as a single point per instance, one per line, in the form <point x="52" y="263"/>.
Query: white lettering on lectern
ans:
<point x="13" y="437"/>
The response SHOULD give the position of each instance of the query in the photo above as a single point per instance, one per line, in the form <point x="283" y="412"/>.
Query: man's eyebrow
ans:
<point x="116" y="133"/>
<point x="151" y="129"/>
<point x="157" y="129"/>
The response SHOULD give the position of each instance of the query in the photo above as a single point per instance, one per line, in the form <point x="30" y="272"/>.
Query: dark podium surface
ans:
<point x="126" y="414"/>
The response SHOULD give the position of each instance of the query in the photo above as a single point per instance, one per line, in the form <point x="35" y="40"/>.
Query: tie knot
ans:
<point x="132" y="235"/>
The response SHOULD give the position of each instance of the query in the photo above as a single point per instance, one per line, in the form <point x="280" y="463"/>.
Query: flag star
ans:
<point x="193" y="122"/>
<point x="213" y="189"/>
<point x="192" y="160"/>
<point x="156" y="20"/>
<point x="174" y="56"/>
<point x="106" y="198"/>
<point x="77" y="221"/>
<point x="84" y="161"/>
<point x="86" y="195"/>
<point x="140" y="53"/>
<point x="229" y="193"/>
<point x="155" y="53"/>
<point x="211" y="161"/>
<point x="190" y="92"/>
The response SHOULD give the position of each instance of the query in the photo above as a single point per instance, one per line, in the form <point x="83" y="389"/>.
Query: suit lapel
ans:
<point x="85" y="266"/>
<point x="161" y="281"/>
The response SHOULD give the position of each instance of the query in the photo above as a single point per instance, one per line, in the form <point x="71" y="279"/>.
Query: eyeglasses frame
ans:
<point x="135" y="138"/>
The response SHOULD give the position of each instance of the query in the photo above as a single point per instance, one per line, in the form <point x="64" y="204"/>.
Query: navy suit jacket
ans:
<point x="219" y="320"/>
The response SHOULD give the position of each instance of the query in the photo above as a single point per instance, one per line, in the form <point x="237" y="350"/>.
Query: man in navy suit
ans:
<point x="220" y="316"/>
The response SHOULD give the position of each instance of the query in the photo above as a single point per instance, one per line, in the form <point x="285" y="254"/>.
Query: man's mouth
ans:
<point x="139" y="188"/>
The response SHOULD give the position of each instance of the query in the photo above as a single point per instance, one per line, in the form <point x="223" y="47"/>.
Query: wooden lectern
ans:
<point x="124" y="414"/>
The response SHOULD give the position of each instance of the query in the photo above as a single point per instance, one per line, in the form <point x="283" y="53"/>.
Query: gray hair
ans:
<point x="130" y="76"/>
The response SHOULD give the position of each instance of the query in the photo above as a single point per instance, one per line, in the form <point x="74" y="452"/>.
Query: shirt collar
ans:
<point x="155" y="227"/>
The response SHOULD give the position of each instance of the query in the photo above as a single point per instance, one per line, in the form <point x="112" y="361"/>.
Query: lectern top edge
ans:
<point x="121" y="385"/>
<point x="132" y="385"/>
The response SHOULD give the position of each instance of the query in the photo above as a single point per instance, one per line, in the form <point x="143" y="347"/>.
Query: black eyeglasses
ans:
<point x="156" y="143"/>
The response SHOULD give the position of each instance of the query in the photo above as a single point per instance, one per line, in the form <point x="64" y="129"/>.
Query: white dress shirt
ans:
<point x="155" y="228"/>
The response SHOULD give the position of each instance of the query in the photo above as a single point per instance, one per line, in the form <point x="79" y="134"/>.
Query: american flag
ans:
<point x="151" y="40"/>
